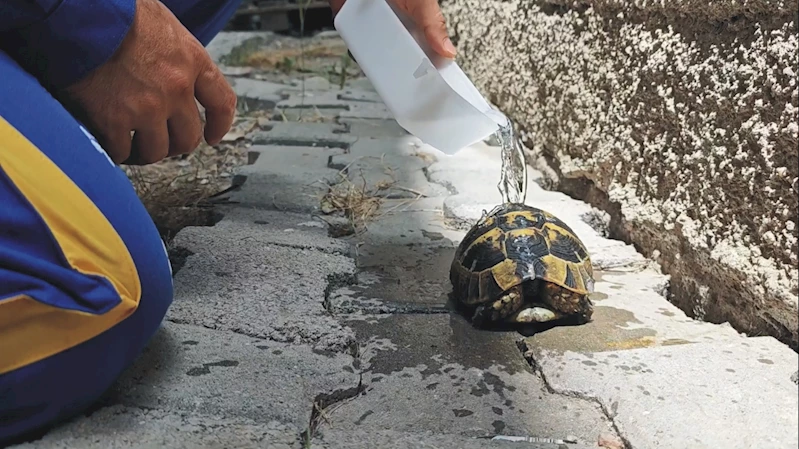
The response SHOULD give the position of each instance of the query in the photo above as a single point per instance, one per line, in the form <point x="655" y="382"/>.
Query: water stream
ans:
<point x="513" y="177"/>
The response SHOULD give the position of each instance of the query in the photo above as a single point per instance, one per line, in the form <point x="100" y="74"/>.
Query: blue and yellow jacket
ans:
<point x="60" y="41"/>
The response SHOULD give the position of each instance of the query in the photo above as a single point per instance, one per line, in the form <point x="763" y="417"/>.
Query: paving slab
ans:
<point x="365" y="110"/>
<point x="473" y="171"/>
<point x="394" y="176"/>
<point x="191" y="369"/>
<point x="405" y="145"/>
<point x="410" y="222"/>
<point x="314" y="98"/>
<point x="257" y="95"/>
<point x="361" y="83"/>
<point x="436" y="373"/>
<point x="359" y="95"/>
<point x="304" y="135"/>
<point x="287" y="178"/>
<point x="122" y="427"/>
<point x="226" y="42"/>
<point x="374" y="127"/>
<point x="332" y="99"/>
<point x="295" y="230"/>
<point x="309" y="114"/>
<point x="397" y="279"/>
<point x="631" y="312"/>
<point x="252" y="276"/>
<point x="310" y="84"/>
<point x="732" y="395"/>
<point x="354" y="439"/>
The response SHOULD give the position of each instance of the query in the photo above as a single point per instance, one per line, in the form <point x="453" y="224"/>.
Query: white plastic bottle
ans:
<point x="428" y="95"/>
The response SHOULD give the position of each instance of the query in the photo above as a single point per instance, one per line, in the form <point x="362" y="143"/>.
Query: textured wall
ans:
<point x="677" y="117"/>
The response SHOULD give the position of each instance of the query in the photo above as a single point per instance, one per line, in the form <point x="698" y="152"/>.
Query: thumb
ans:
<point x="428" y="16"/>
<point x="335" y="6"/>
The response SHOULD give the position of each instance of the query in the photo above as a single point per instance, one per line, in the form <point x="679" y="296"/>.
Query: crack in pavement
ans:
<point x="344" y="349"/>
<point x="327" y="402"/>
<point x="450" y="188"/>
<point x="609" y="414"/>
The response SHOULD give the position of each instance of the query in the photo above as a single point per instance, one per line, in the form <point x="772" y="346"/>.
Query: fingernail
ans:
<point x="449" y="47"/>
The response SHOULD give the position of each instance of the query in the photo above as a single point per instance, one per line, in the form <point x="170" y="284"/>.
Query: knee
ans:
<point x="54" y="375"/>
<point x="46" y="392"/>
<point x="155" y="274"/>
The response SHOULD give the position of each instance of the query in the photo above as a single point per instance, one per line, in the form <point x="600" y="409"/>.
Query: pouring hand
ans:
<point x="427" y="15"/>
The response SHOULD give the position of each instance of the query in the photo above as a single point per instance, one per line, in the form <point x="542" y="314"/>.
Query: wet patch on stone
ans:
<point x="398" y="279"/>
<point x="460" y="413"/>
<point x="438" y="340"/>
<point x="205" y="369"/>
<point x="609" y="330"/>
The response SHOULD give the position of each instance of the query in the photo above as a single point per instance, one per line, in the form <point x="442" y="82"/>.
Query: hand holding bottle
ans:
<point x="428" y="17"/>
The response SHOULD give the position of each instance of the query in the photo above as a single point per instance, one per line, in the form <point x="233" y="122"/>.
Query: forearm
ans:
<point x="61" y="41"/>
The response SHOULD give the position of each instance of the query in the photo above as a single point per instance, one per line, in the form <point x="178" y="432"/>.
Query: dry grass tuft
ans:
<point x="285" y="59"/>
<point x="361" y="203"/>
<point x="175" y="191"/>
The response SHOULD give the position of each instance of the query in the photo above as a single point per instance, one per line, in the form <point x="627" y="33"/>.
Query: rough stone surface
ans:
<point x="259" y="278"/>
<point x="411" y="222"/>
<point x="223" y="45"/>
<point x="195" y="370"/>
<point x="357" y="95"/>
<point x="370" y="439"/>
<point x="257" y="94"/>
<point x="305" y="134"/>
<point x="673" y="388"/>
<point x="435" y="373"/>
<point x="303" y="168"/>
<point x="121" y="427"/>
<point x="403" y="145"/>
<point x="623" y="320"/>
<point x="397" y="278"/>
<point x="374" y="128"/>
<point x="678" y="118"/>
<point x="391" y="175"/>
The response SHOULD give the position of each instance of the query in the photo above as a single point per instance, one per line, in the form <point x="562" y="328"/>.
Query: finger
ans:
<point x="185" y="129"/>
<point x="427" y="15"/>
<point x="117" y="143"/>
<point x="336" y="5"/>
<point x="149" y="145"/>
<point x="215" y="94"/>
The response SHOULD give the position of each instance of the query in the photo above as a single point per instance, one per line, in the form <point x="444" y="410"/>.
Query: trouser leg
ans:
<point x="84" y="276"/>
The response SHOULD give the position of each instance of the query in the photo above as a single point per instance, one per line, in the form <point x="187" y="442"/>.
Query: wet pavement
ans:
<point x="288" y="332"/>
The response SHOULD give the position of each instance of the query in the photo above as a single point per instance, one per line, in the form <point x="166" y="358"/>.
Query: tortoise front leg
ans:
<point x="505" y="306"/>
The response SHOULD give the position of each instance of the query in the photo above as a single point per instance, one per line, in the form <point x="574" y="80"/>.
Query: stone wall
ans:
<point x="679" y="118"/>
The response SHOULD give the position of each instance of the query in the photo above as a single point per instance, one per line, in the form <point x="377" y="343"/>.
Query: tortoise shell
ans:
<point x="515" y="243"/>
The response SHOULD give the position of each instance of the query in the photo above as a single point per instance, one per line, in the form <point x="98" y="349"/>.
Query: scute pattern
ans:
<point x="515" y="243"/>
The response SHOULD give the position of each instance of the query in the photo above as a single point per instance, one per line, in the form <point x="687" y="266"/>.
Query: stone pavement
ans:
<point x="285" y="336"/>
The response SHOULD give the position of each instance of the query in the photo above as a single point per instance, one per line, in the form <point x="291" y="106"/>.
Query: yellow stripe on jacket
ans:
<point x="30" y="330"/>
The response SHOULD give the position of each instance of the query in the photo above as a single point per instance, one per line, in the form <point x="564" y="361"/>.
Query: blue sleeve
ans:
<point x="60" y="41"/>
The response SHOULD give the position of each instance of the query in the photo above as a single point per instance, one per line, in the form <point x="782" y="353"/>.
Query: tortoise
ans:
<point x="521" y="264"/>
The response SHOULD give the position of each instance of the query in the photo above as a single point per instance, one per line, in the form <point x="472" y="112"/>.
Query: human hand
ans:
<point x="148" y="88"/>
<point x="428" y="17"/>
